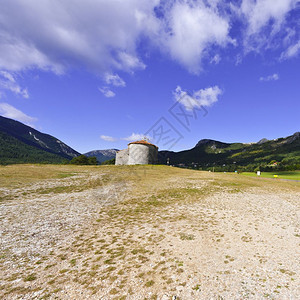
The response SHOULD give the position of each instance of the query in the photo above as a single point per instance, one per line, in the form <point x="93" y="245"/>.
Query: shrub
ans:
<point x="84" y="160"/>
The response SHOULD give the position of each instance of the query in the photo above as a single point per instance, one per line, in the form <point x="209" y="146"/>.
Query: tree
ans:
<point x="109" y="162"/>
<point x="92" y="160"/>
<point x="84" y="160"/>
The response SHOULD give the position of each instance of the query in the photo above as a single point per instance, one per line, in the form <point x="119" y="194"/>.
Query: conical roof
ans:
<point x="143" y="142"/>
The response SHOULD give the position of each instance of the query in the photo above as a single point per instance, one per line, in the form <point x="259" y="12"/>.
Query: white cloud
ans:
<point x="8" y="82"/>
<point x="136" y="136"/>
<point x="291" y="51"/>
<point x="7" y="76"/>
<point x="203" y="97"/>
<point x="114" y="80"/>
<point x="272" y="77"/>
<point x="8" y="111"/>
<point x="105" y="36"/>
<point x="264" y="19"/>
<point x="260" y="12"/>
<point x="188" y="101"/>
<point x="107" y="92"/>
<point x="191" y="28"/>
<point x="133" y="137"/>
<point x="216" y="59"/>
<point x="130" y="62"/>
<point x="55" y="35"/>
<point x="108" y="138"/>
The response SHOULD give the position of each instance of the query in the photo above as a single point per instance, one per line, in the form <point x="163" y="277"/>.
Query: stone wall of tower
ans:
<point x="140" y="154"/>
<point x="122" y="157"/>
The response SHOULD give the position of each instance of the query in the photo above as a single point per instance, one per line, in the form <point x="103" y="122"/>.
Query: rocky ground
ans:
<point x="146" y="233"/>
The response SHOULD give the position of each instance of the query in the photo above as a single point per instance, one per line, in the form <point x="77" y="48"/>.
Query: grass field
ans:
<point x="293" y="175"/>
<point x="146" y="232"/>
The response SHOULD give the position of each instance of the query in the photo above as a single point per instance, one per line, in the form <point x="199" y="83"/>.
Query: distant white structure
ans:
<point x="138" y="153"/>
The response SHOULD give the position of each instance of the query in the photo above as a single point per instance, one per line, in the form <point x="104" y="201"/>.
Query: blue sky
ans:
<point x="99" y="74"/>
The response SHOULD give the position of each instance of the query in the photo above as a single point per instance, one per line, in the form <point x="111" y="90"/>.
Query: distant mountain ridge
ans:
<point x="212" y="143"/>
<point x="207" y="153"/>
<point x="102" y="155"/>
<point x="21" y="143"/>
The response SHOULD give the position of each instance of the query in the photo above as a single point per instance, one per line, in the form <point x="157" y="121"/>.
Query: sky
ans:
<point x="98" y="74"/>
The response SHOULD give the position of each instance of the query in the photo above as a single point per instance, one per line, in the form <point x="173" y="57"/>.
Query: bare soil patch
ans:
<point x="146" y="232"/>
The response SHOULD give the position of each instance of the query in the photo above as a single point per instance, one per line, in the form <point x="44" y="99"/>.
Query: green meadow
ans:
<point x="293" y="175"/>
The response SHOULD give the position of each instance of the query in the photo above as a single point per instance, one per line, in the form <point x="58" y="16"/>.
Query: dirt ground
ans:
<point x="146" y="232"/>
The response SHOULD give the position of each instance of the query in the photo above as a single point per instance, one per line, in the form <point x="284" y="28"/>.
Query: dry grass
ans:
<point x="18" y="175"/>
<point x="131" y="232"/>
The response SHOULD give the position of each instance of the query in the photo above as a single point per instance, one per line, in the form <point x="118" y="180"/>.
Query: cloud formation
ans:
<point x="216" y="59"/>
<point x="259" y="13"/>
<point x="191" y="28"/>
<point x="266" y="23"/>
<point x="135" y="136"/>
<point x="108" y="138"/>
<point x="107" y="92"/>
<point x="200" y="98"/>
<point x="8" y="111"/>
<point x="56" y="35"/>
<point x="114" y="80"/>
<point x="104" y="37"/>
<point x="8" y="82"/>
<point x="272" y="77"/>
<point x="291" y="51"/>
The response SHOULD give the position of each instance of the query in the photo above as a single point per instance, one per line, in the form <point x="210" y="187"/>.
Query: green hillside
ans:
<point x="282" y="153"/>
<point x="13" y="151"/>
<point x="33" y="137"/>
<point x="20" y="143"/>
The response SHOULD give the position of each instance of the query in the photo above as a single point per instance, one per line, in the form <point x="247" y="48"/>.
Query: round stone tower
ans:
<point x="142" y="153"/>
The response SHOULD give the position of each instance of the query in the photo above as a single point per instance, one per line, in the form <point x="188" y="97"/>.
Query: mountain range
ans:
<point x="102" y="155"/>
<point x="20" y="143"/>
<point x="208" y="153"/>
